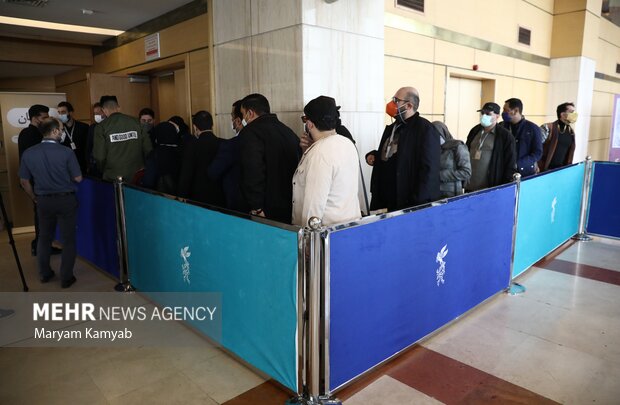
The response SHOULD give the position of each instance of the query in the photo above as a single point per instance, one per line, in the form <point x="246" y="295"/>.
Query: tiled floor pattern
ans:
<point x="557" y="343"/>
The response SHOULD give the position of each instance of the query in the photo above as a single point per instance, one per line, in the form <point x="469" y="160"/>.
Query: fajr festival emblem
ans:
<point x="185" y="253"/>
<point x="441" y="271"/>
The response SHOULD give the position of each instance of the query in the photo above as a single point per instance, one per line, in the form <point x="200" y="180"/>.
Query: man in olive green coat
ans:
<point x="120" y="144"/>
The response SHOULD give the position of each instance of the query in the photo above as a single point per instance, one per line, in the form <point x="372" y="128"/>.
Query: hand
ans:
<point x="305" y="142"/>
<point x="258" y="213"/>
<point x="370" y="159"/>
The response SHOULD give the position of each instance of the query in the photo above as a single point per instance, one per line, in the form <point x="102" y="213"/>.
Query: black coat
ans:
<point x="225" y="170"/>
<point x="28" y="137"/>
<point x="503" y="164"/>
<point x="270" y="153"/>
<point x="80" y="139"/>
<point x="194" y="182"/>
<point x="417" y="166"/>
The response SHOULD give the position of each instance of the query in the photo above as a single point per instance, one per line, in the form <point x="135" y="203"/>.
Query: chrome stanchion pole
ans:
<point x="314" y="312"/>
<point x="515" y="288"/>
<point x="582" y="236"/>
<point x="314" y="387"/>
<point x="121" y="239"/>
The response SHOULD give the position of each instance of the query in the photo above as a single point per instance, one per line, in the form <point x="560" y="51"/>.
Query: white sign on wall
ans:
<point x="151" y="47"/>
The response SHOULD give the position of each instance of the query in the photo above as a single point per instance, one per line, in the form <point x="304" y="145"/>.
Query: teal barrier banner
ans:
<point x="177" y="247"/>
<point x="549" y="208"/>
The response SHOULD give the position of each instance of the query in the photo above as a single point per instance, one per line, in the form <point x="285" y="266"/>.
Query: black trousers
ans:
<point x="61" y="210"/>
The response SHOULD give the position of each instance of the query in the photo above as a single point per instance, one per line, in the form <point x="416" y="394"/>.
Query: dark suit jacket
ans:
<point x="417" y="177"/>
<point x="194" y="181"/>
<point x="80" y="139"/>
<point x="270" y="153"/>
<point x="28" y="137"/>
<point x="528" y="144"/>
<point x="225" y="170"/>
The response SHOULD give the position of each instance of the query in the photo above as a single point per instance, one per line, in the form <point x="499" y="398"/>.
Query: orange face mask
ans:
<point x="391" y="109"/>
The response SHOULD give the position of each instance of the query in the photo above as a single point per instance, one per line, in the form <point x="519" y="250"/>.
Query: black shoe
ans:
<point x="55" y="251"/>
<point x="68" y="283"/>
<point x="48" y="277"/>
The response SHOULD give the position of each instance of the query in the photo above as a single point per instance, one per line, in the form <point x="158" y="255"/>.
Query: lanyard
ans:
<point x="70" y="135"/>
<point x="483" y="139"/>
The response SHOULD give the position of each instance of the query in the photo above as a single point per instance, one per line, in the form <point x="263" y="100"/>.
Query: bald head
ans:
<point x="411" y="98"/>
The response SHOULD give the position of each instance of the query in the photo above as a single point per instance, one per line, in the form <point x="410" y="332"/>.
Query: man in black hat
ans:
<point x="269" y="153"/>
<point x="492" y="151"/>
<point x="325" y="184"/>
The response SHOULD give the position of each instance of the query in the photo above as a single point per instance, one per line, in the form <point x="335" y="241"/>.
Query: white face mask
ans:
<point x="486" y="120"/>
<point x="98" y="118"/>
<point x="64" y="118"/>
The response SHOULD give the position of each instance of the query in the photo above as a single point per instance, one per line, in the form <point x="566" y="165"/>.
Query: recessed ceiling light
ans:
<point x="87" y="12"/>
<point x="59" y="27"/>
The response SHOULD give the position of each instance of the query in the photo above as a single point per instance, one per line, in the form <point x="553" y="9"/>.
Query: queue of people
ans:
<point x="267" y="170"/>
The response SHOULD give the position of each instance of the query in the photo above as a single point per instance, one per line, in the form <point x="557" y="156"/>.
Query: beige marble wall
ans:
<point x="257" y="47"/>
<point x="343" y="51"/>
<point x="295" y="50"/>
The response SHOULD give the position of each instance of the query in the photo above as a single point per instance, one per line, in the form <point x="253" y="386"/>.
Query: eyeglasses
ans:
<point x="396" y="100"/>
<point x="304" y="118"/>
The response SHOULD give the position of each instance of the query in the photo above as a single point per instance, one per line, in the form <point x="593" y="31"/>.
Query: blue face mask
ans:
<point x="486" y="120"/>
<point x="506" y="116"/>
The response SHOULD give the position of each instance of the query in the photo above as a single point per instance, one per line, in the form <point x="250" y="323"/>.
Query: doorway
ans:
<point x="169" y="94"/>
<point x="463" y="98"/>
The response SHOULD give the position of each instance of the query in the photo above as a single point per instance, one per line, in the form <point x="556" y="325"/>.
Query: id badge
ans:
<point x="477" y="155"/>
<point x="73" y="146"/>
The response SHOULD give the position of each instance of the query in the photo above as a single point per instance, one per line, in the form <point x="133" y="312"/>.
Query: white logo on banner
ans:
<point x="553" y="203"/>
<point x="442" y="264"/>
<point x="185" y="253"/>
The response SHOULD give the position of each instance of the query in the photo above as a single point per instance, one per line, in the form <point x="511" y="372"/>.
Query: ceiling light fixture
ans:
<point x="87" y="11"/>
<point x="23" y="22"/>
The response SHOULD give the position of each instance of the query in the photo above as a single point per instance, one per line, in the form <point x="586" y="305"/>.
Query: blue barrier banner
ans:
<point x="604" y="210"/>
<point x="549" y="210"/>
<point x="177" y="247"/>
<point x="394" y="281"/>
<point x="96" y="225"/>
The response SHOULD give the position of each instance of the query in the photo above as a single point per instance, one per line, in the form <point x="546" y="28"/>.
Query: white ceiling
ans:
<point x="112" y="14"/>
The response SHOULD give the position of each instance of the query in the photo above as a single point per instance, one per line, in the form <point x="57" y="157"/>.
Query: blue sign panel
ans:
<point x="549" y="209"/>
<point x="394" y="281"/>
<point x="604" y="213"/>
<point x="96" y="225"/>
<point x="177" y="247"/>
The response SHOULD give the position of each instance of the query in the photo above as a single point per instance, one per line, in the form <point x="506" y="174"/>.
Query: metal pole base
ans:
<point x="313" y="401"/>
<point x="582" y="237"/>
<point x="515" y="289"/>
<point x="124" y="287"/>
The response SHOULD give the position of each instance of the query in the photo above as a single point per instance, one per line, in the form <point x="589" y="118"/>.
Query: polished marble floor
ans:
<point x="557" y="343"/>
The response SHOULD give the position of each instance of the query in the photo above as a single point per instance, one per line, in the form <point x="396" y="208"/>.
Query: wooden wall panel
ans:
<point x="200" y="68"/>
<point x="79" y="97"/>
<point x="45" y="84"/>
<point x="51" y="53"/>
<point x="131" y="96"/>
